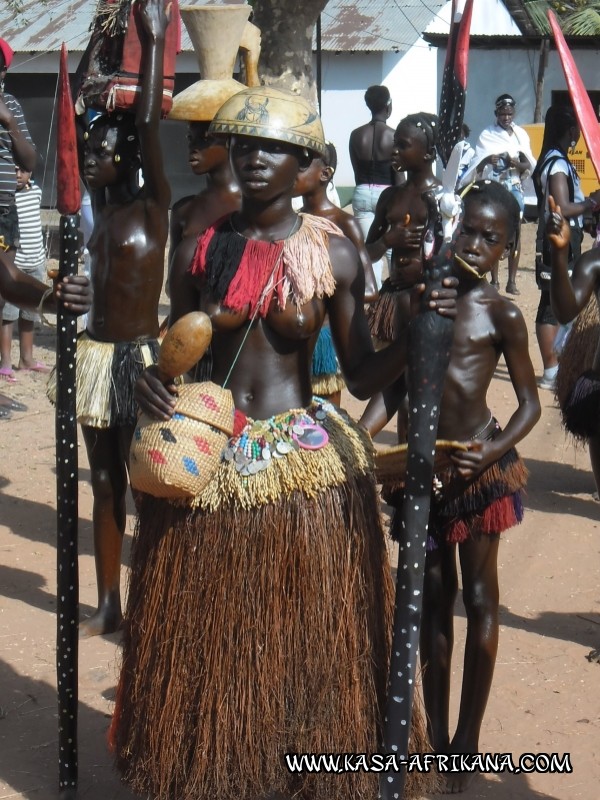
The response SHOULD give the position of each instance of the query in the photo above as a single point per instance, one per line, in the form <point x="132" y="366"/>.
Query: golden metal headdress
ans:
<point x="271" y="113"/>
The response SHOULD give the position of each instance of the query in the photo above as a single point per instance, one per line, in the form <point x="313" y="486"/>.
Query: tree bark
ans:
<point x="286" y="55"/>
<point x="539" y="88"/>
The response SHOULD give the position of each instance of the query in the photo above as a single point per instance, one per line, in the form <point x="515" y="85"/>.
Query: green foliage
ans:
<point x="576" y="17"/>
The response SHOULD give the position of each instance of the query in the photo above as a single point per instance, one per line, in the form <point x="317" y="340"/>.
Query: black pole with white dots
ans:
<point x="66" y="520"/>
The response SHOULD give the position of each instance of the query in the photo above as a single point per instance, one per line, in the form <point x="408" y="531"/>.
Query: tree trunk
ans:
<point x="286" y="54"/>
<point x="539" y="88"/>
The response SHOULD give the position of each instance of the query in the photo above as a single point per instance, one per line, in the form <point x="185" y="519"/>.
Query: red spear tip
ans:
<point x="67" y="190"/>
<point x="586" y="116"/>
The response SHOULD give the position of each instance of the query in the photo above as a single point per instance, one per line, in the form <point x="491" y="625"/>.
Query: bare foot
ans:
<point x="105" y="620"/>
<point x="456" y="782"/>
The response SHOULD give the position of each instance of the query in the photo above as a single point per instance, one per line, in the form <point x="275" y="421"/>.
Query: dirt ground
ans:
<point x="545" y="696"/>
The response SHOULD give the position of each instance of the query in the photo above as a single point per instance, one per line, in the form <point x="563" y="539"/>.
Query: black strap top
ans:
<point x="373" y="171"/>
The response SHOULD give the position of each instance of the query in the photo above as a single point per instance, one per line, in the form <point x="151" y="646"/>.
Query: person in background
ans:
<point x="25" y="291"/>
<point x="399" y="223"/>
<point x="16" y="147"/>
<point x="467" y="152"/>
<point x="555" y="176"/>
<point x="327" y="380"/>
<point x="503" y="154"/>
<point x="371" y="148"/>
<point x="31" y="259"/>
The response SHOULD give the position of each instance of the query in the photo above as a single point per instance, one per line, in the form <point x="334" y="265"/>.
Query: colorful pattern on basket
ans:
<point x="177" y="458"/>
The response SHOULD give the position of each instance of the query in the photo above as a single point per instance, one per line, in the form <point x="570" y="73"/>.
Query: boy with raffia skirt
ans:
<point x="479" y="496"/>
<point x="127" y="264"/>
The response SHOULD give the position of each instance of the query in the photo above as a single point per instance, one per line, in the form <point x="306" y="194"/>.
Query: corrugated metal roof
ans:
<point x="367" y="25"/>
<point x="375" y="25"/>
<point x="41" y="28"/>
<point x="490" y="18"/>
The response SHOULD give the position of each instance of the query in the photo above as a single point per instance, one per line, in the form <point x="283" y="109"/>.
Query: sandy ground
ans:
<point x="545" y="696"/>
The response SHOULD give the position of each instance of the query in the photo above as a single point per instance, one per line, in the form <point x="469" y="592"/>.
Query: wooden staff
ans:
<point x="68" y="202"/>
<point x="430" y="340"/>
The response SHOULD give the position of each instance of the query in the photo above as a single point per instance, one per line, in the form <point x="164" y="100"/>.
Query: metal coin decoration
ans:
<point x="67" y="604"/>
<point x="262" y="442"/>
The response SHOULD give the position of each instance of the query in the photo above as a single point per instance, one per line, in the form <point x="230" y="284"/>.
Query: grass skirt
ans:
<point x="576" y="383"/>
<point x="106" y="377"/>
<point x="255" y="631"/>
<point x="382" y="315"/>
<point x="463" y="509"/>
<point x="581" y="412"/>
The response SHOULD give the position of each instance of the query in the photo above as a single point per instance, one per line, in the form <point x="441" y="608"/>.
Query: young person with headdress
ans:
<point x="399" y="224"/>
<point x="208" y="156"/>
<point x="503" y="154"/>
<point x="127" y="265"/>
<point x="259" y="616"/>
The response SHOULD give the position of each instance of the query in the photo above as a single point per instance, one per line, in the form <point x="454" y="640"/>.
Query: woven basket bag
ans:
<point x="177" y="459"/>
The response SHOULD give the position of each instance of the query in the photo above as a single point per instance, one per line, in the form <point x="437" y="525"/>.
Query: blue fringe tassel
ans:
<point x="324" y="361"/>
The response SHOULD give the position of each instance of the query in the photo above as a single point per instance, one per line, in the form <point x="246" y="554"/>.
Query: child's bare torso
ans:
<point x="474" y="356"/>
<point x="127" y="266"/>
<point x="406" y="202"/>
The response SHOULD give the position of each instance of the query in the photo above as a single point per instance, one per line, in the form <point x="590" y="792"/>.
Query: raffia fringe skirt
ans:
<point x="464" y="509"/>
<point x="577" y="384"/>
<point x="256" y="628"/>
<point x="382" y="315"/>
<point x="106" y="376"/>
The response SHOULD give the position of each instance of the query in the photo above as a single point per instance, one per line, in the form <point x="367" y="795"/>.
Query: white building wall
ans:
<point x="410" y="77"/>
<point x="494" y="72"/>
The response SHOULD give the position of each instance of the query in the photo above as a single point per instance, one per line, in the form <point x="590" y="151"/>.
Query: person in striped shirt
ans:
<point x="30" y="257"/>
<point x="15" y="147"/>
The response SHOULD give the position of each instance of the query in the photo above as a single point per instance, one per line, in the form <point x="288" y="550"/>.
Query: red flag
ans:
<point x="67" y="190"/>
<point x="579" y="97"/>
<point x="454" y="82"/>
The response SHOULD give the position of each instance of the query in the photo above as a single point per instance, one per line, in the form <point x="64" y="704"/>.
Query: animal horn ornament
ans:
<point x="430" y="340"/>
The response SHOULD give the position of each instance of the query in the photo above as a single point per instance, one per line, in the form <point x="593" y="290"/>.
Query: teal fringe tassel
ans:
<point x="324" y="361"/>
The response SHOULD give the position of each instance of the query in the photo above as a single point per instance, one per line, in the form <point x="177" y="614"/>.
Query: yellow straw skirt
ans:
<point x="258" y="629"/>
